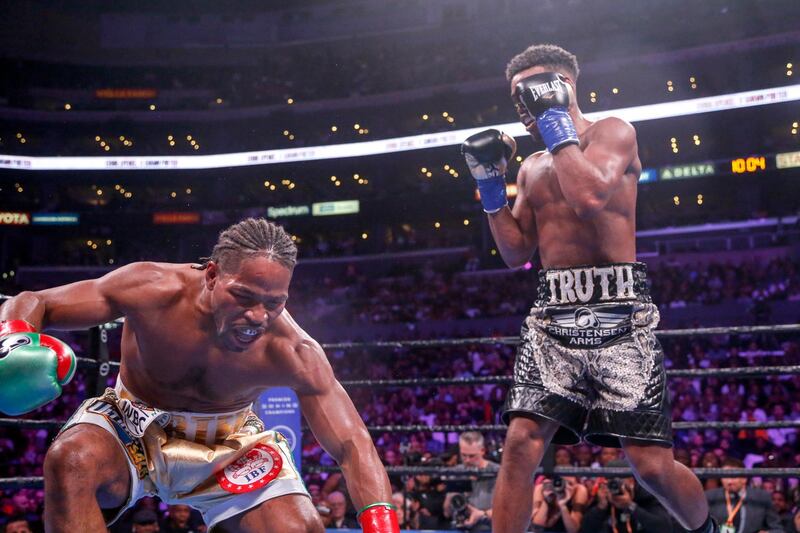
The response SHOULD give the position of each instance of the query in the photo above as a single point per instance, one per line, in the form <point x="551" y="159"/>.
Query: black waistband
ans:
<point x="588" y="284"/>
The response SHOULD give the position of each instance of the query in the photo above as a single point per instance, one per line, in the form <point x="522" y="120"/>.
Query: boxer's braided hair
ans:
<point x="544" y="55"/>
<point x="252" y="237"/>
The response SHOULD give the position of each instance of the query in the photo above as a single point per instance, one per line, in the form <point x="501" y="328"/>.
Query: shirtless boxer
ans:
<point x="200" y="343"/>
<point x="588" y="365"/>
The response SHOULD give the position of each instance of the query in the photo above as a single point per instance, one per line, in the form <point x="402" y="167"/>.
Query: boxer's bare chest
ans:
<point x="172" y="361"/>
<point x="564" y="238"/>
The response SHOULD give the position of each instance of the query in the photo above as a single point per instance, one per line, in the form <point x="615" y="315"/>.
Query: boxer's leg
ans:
<point x="85" y="470"/>
<point x="537" y="410"/>
<point x="526" y="440"/>
<point x="675" y="486"/>
<point x="292" y="513"/>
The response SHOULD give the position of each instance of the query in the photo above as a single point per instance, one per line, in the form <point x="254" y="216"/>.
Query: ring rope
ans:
<point x="452" y="472"/>
<point x="678" y="426"/>
<point x="753" y="371"/>
<point x="465" y="473"/>
<point x="413" y="428"/>
<point x="722" y="330"/>
<point x="19" y="482"/>
<point x="726" y="330"/>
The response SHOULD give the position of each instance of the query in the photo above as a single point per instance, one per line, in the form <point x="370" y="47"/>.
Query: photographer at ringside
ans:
<point x="558" y="504"/>
<point x="623" y="506"/>
<point x="426" y="499"/>
<point x="471" y="510"/>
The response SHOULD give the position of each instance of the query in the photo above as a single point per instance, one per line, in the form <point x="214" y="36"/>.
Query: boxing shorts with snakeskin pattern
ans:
<point x="588" y="358"/>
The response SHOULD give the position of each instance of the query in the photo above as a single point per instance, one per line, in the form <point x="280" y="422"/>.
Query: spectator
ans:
<point x="144" y="521"/>
<point x="17" y="525"/>
<point x="745" y="509"/>
<point x="179" y="520"/>
<point x="427" y="501"/>
<point x="623" y="505"/>
<point x="338" y="506"/>
<point x="476" y="513"/>
<point x="781" y="505"/>
<point x="607" y="455"/>
<point x="559" y="504"/>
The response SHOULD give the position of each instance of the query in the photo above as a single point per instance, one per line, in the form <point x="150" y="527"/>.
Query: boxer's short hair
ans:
<point x="544" y="55"/>
<point x="253" y="237"/>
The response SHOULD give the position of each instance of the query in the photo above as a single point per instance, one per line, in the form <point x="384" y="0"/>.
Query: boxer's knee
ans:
<point x="305" y="524"/>
<point x="652" y="465"/>
<point x="527" y="437"/>
<point x="306" y="519"/>
<point x="83" y="459"/>
<point x="69" y="467"/>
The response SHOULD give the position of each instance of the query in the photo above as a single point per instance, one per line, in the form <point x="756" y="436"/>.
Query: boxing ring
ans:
<point x="103" y="368"/>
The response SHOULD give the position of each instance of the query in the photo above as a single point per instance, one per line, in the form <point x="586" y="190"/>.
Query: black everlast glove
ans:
<point x="545" y="98"/>
<point x="487" y="154"/>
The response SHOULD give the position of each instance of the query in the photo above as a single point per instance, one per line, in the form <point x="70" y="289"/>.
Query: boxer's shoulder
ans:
<point x="533" y="174"/>
<point x="147" y="283"/>
<point x="532" y="165"/>
<point x="613" y="129"/>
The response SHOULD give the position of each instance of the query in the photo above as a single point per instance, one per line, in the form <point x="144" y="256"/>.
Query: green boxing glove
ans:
<point x="33" y="367"/>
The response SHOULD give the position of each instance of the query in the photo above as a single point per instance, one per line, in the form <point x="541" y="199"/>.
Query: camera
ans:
<point x="558" y="487"/>
<point x="460" y="512"/>
<point x="615" y="487"/>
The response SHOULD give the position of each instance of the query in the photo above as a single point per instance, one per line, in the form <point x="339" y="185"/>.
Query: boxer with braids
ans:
<point x="253" y="236"/>
<point x="200" y="344"/>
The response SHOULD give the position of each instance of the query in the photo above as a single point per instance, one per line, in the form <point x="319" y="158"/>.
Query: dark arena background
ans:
<point x="138" y="131"/>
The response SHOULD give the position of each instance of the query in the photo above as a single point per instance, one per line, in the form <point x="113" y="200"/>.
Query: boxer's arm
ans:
<point x="514" y="230"/>
<point x="86" y="303"/>
<point x="338" y="427"/>
<point x="588" y="178"/>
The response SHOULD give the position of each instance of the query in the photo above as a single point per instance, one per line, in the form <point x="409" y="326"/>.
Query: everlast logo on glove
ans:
<point x="546" y="90"/>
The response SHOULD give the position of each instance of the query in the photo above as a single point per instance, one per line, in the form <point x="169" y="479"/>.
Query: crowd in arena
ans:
<point x="431" y="294"/>
<point x="456" y="294"/>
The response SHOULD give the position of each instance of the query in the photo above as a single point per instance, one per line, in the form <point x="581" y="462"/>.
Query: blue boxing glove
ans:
<point x="487" y="154"/>
<point x="545" y="99"/>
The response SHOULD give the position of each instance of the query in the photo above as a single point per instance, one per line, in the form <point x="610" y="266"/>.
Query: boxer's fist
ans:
<point x="487" y="154"/>
<point x="545" y="99"/>
<point x="33" y="367"/>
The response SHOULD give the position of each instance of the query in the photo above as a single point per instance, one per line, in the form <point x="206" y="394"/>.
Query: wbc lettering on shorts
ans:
<point x="138" y="416"/>
<point x="252" y="471"/>
<point x="590" y="285"/>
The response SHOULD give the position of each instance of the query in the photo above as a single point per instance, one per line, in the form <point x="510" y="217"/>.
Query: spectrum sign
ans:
<point x="55" y="219"/>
